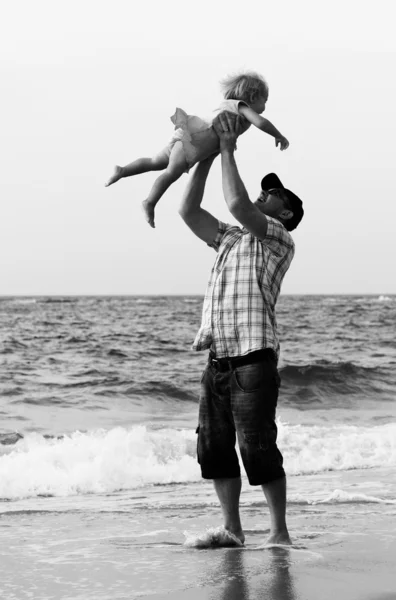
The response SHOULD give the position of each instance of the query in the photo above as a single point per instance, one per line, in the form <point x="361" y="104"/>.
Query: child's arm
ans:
<point x="263" y="124"/>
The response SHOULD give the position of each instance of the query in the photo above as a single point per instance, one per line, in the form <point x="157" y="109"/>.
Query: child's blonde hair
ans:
<point x="244" y="86"/>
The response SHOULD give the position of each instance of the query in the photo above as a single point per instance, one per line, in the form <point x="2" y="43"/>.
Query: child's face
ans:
<point x="259" y="104"/>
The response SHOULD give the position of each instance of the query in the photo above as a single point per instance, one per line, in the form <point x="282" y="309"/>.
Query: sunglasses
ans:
<point x="272" y="192"/>
<point x="277" y="192"/>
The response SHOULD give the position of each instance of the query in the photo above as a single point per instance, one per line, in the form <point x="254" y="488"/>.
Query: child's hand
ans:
<point x="282" y="142"/>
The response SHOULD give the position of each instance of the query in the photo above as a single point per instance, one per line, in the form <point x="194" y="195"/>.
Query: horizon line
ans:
<point x="187" y="294"/>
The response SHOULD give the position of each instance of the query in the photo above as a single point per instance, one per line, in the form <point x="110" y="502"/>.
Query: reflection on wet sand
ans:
<point x="273" y="582"/>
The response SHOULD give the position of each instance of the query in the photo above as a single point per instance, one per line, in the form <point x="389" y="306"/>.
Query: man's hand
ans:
<point x="282" y="142"/>
<point x="227" y="126"/>
<point x="209" y="160"/>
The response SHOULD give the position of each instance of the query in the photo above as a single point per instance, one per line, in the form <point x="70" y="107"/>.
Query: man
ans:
<point x="239" y="387"/>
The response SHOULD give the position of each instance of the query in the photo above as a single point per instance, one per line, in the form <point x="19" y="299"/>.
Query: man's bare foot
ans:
<point x="237" y="534"/>
<point x="115" y="177"/>
<point x="148" y="211"/>
<point x="279" y="538"/>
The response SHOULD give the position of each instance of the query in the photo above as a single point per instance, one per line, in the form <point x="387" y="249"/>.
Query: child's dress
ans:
<point x="197" y="135"/>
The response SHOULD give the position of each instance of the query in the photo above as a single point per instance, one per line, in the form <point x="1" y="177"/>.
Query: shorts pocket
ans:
<point x="249" y="377"/>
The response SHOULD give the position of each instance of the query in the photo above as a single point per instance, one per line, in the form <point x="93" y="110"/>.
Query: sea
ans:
<point x="100" y="491"/>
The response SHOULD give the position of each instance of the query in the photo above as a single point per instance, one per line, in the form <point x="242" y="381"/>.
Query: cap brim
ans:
<point x="271" y="181"/>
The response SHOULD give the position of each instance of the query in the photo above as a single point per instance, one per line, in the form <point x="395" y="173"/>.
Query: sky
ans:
<point x="89" y="84"/>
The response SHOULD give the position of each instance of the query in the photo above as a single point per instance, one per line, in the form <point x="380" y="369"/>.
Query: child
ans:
<point x="194" y="138"/>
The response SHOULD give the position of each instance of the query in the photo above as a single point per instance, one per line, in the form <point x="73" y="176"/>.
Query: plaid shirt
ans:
<point x="238" y="314"/>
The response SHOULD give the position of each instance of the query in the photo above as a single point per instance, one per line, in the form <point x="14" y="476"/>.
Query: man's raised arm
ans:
<point x="202" y="223"/>
<point x="226" y="125"/>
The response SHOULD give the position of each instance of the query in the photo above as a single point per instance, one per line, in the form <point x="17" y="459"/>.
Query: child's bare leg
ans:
<point x="176" y="167"/>
<point x="141" y="165"/>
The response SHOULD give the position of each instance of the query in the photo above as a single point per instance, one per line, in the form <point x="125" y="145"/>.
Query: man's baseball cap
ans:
<point x="272" y="181"/>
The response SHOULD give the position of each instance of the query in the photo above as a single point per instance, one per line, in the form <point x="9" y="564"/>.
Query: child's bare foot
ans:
<point x="115" y="177"/>
<point x="148" y="211"/>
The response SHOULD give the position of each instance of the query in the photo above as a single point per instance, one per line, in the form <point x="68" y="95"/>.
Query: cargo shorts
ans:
<point x="238" y="399"/>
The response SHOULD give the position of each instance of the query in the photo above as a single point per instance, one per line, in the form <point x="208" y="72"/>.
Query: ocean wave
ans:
<point x="115" y="352"/>
<point x="163" y="390"/>
<point x="58" y="300"/>
<point x="20" y="301"/>
<point x="122" y="459"/>
<point x="325" y="381"/>
<point x="337" y="496"/>
<point x="7" y="439"/>
<point x="325" y="370"/>
<point x="76" y="340"/>
<point x="12" y="391"/>
<point x="342" y="497"/>
<point x="14" y="343"/>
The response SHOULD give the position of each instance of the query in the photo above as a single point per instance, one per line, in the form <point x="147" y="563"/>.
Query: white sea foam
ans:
<point x="315" y="449"/>
<point x="213" y="537"/>
<point x="97" y="462"/>
<point x="23" y="301"/>
<point x="151" y="533"/>
<point x="107" y="461"/>
<point x="345" y="497"/>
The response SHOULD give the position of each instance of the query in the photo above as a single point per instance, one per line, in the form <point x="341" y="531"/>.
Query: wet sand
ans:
<point x="357" y="570"/>
<point x="116" y="551"/>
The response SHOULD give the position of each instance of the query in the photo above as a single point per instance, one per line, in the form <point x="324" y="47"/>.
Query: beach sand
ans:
<point x="356" y="569"/>
<point x="355" y="566"/>
<point x="130" y="545"/>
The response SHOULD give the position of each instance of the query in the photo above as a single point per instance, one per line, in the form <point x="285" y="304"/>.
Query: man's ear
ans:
<point x="286" y="214"/>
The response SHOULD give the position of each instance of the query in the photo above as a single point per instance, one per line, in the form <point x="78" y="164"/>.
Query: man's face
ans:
<point x="271" y="203"/>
